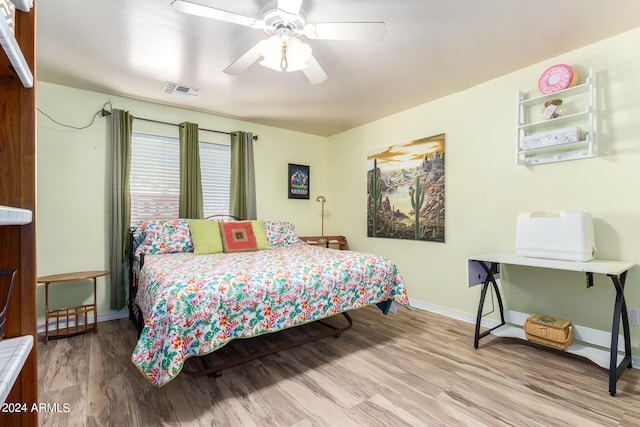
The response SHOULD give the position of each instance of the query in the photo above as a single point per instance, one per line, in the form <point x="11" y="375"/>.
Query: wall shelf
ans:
<point x="18" y="166"/>
<point x="14" y="216"/>
<point x="13" y="354"/>
<point x="570" y="136"/>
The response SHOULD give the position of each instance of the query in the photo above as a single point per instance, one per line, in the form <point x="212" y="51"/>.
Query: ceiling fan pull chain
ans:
<point x="284" y="63"/>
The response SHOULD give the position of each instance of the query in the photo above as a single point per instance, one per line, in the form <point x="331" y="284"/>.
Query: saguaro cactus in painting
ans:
<point x="417" y="200"/>
<point x="375" y="196"/>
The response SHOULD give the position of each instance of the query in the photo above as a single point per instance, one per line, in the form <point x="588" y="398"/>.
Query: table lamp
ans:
<point x="322" y="200"/>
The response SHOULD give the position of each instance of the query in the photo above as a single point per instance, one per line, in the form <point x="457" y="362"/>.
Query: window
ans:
<point x="155" y="177"/>
<point x="215" y="168"/>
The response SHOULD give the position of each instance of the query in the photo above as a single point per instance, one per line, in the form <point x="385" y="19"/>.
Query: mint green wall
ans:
<point x="72" y="204"/>
<point x="485" y="189"/>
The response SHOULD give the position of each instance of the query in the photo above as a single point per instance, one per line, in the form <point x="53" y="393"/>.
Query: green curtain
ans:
<point x="120" y="159"/>
<point x="242" y="197"/>
<point x="190" y="182"/>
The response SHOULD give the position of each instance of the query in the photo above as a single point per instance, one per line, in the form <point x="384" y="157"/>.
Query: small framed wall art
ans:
<point x="298" y="181"/>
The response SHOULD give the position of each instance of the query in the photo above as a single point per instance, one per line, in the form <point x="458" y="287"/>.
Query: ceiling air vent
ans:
<point x="181" y="91"/>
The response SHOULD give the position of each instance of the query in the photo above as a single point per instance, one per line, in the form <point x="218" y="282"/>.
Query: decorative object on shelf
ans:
<point x="5" y="296"/>
<point x="322" y="200"/>
<point x="557" y="77"/>
<point x="552" y="109"/>
<point x="298" y="181"/>
<point x="549" y="330"/>
<point x="406" y="190"/>
<point x="553" y="137"/>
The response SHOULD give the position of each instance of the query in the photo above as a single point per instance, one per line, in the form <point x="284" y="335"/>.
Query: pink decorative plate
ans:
<point x="557" y="77"/>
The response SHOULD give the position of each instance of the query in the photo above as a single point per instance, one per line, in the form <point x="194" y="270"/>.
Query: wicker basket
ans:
<point x="549" y="330"/>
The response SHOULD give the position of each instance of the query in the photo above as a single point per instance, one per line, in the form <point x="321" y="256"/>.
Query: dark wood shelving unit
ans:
<point x="18" y="189"/>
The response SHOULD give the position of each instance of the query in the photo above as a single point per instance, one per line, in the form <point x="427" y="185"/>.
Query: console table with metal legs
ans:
<point x="484" y="270"/>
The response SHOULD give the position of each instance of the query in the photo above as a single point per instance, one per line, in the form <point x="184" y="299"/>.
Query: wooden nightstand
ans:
<point x="340" y="241"/>
<point x="76" y="313"/>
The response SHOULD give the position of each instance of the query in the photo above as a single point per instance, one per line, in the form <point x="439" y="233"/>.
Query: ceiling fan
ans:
<point x="283" y="21"/>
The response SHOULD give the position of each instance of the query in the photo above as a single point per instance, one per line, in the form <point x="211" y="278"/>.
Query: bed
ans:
<point x="187" y="303"/>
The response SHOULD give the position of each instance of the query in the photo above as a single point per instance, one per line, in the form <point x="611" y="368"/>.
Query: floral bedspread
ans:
<point x="195" y="304"/>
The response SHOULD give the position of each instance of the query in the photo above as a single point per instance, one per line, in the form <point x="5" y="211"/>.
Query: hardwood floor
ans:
<point x="412" y="368"/>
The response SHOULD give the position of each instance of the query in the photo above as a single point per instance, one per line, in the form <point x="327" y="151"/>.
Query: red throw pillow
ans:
<point x="238" y="237"/>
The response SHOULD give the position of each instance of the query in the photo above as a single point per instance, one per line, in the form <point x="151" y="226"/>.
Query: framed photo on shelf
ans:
<point x="298" y="181"/>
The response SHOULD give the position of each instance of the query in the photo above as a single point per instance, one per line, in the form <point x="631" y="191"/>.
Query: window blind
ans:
<point x="215" y="169"/>
<point x="155" y="177"/>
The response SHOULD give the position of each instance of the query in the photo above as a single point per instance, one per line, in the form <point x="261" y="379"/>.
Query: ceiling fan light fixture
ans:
<point x="280" y="55"/>
<point x="284" y="22"/>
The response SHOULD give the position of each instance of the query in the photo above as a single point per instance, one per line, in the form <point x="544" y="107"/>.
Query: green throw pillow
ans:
<point x="261" y="236"/>
<point x="206" y="236"/>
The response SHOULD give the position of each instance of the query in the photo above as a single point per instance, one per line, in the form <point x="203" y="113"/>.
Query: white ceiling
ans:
<point x="432" y="48"/>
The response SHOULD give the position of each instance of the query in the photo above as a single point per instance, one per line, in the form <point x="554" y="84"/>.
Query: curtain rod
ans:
<point x="108" y="113"/>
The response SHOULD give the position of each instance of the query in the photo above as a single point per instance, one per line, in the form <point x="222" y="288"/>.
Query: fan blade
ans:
<point x="191" y="8"/>
<point x="244" y="62"/>
<point x="314" y="72"/>
<point x="290" y="6"/>
<point x="374" y="31"/>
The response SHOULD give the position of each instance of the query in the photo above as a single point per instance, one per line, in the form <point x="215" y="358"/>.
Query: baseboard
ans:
<point x="588" y="335"/>
<point x="439" y="310"/>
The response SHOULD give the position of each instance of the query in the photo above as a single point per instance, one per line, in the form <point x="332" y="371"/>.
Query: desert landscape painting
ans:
<point x="405" y="190"/>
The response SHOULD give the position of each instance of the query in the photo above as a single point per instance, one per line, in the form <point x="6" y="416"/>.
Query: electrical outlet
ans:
<point x="633" y="317"/>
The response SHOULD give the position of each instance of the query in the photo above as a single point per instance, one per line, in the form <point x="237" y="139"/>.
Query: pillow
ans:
<point x="281" y="233"/>
<point x="238" y="237"/>
<point x="261" y="236"/>
<point x="137" y="230"/>
<point x="206" y="236"/>
<point x="165" y="236"/>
